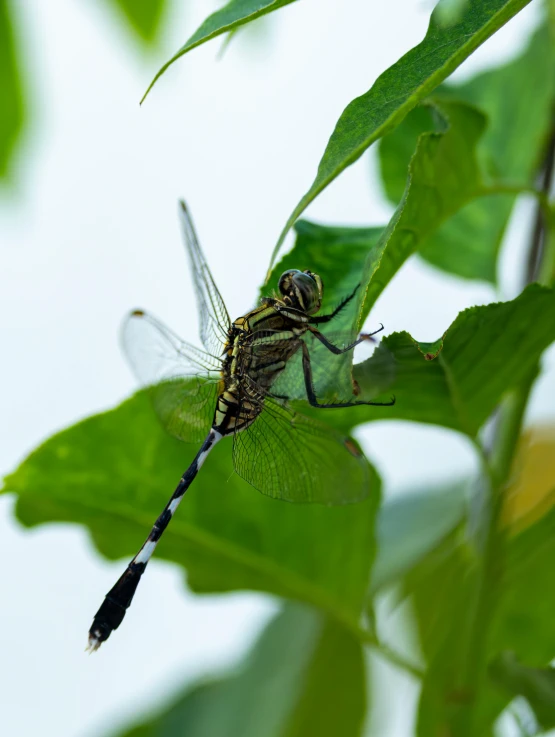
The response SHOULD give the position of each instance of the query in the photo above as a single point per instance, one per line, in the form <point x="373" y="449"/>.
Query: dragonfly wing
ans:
<point x="182" y="380"/>
<point x="213" y="315"/>
<point x="289" y="456"/>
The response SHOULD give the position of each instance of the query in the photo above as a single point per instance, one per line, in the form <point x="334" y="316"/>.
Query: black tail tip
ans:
<point x="108" y="618"/>
<point x="98" y="633"/>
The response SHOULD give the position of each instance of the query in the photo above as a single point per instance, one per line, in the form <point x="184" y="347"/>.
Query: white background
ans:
<point x="91" y="231"/>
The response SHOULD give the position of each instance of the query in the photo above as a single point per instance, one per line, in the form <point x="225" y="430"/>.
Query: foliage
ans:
<point x="473" y="557"/>
<point x="292" y="657"/>
<point x="226" y="20"/>
<point x="468" y="242"/>
<point x="11" y="120"/>
<point x="144" y="18"/>
<point x="403" y="85"/>
<point x="321" y="555"/>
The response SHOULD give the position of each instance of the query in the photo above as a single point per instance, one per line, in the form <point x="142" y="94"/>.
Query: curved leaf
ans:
<point x="468" y="243"/>
<point x="344" y="258"/>
<point x="458" y="381"/>
<point x="444" y="175"/>
<point x="304" y="676"/>
<point x="402" y="86"/>
<point x="114" y="473"/>
<point x="236" y="13"/>
<point x="412" y="524"/>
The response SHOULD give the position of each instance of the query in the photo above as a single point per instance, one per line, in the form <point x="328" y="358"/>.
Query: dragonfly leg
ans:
<point x="326" y="318"/>
<point x="311" y="394"/>
<point x="335" y="349"/>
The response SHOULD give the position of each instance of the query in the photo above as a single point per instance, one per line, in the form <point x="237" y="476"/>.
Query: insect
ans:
<point x="239" y="387"/>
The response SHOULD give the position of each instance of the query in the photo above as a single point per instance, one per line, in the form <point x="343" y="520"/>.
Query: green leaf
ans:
<point x="304" y="676"/>
<point x="458" y="381"/>
<point x="344" y="258"/>
<point x="402" y="86"/>
<point x="537" y="685"/>
<point x="443" y="176"/>
<point x="144" y="17"/>
<point x="468" y="243"/>
<point x="236" y="13"/>
<point x="114" y="473"/>
<point x="514" y="152"/>
<point x="410" y="525"/>
<point x="396" y="149"/>
<point x="525" y="619"/>
<point x="338" y="254"/>
<point x="444" y="587"/>
<point x="451" y="235"/>
<point x="12" y="117"/>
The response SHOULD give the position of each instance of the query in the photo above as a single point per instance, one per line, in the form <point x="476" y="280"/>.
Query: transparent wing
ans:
<point x="289" y="456"/>
<point x="213" y="316"/>
<point x="182" y="380"/>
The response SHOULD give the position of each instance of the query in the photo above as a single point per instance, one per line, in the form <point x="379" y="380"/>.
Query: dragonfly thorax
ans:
<point x="259" y="346"/>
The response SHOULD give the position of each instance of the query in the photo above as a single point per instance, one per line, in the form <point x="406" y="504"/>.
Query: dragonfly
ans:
<point x="239" y="386"/>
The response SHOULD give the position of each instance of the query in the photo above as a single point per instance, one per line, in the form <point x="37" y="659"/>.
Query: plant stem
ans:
<point x="541" y="225"/>
<point x="511" y="415"/>
<point x="490" y="539"/>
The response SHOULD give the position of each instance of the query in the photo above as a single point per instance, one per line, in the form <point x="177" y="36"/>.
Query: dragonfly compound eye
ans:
<point x="303" y="290"/>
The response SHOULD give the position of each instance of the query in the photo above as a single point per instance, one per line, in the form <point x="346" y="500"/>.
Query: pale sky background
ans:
<point x="92" y="232"/>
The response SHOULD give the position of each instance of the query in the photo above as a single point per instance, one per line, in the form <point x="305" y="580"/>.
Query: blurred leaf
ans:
<point x="402" y="86"/>
<point x="524" y="623"/>
<point x="450" y="11"/>
<point x="458" y="381"/>
<point x="468" y="243"/>
<point x="12" y="117"/>
<point x="443" y="176"/>
<point x="511" y="153"/>
<point x="396" y="149"/>
<point x="532" y="491"/>
<point x="514" y="152"/>
<point x="231" y="16"/>
<point x="305" y="676"/>
<point x="412" y="524"/>
<point x="444" y="587"/>
<point x="144" y="17"/>
<point x="460" y="220"/>
<point x="537" y="685"/>
<point x="114" y="473"/>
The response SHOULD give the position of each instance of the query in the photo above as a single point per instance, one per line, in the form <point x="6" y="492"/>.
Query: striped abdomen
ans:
<point x="235" y="412"/>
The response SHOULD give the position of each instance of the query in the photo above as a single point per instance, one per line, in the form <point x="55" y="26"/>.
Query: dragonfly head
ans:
<point x="301" y="290"/>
